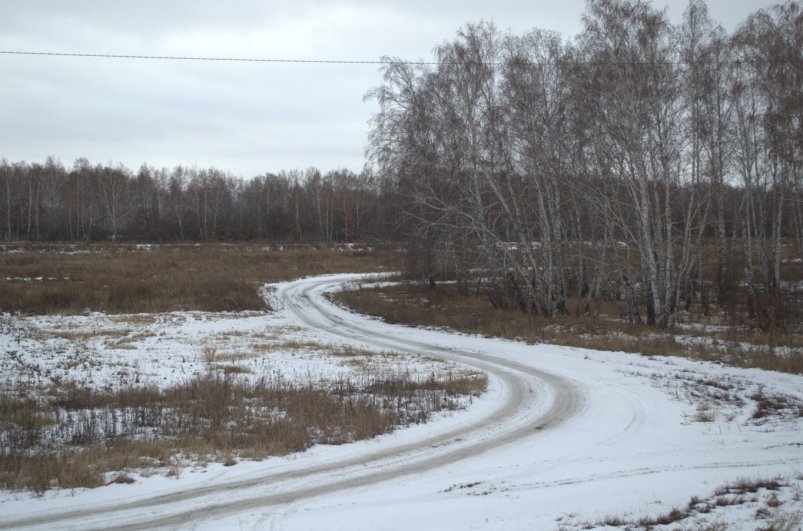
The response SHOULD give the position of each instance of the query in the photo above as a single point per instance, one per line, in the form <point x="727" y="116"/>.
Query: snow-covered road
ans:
<point x="563" y="438"/>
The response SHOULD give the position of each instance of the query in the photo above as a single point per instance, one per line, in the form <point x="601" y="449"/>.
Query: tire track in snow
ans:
<point x="533" y="401"/>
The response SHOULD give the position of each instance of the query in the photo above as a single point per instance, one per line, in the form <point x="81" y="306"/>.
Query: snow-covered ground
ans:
<point x="109" y="352"/>
<point x="564" y="438"/>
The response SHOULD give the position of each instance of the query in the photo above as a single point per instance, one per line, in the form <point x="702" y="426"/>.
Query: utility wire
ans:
<point x="212" y="59"/>
<point x="343" y="61"/>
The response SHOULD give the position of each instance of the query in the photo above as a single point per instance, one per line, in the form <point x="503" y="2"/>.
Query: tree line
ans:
<point x="653" y="162"/>
<point x="48" y="202"/>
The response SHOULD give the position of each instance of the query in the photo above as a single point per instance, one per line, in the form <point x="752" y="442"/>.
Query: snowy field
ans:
<point x="564" y="438"/>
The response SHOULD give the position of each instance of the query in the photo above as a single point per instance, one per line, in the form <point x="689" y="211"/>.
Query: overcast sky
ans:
<point x="246" y="118"/>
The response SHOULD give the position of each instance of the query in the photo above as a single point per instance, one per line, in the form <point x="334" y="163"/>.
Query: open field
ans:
<point x="131" y="278"/>
<point x="696" y="336"/>
<point x="137" y="418"/>
<point x="125" y="359"/>
<point x="91" y="399"/>
<point x="563" y="438"/>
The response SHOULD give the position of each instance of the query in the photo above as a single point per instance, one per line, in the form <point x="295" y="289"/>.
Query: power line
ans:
<point x="209" y="59"/>
<point x="343" y="61"/>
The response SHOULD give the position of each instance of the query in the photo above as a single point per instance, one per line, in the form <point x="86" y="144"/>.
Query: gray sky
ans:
<point x="246" y="118"/>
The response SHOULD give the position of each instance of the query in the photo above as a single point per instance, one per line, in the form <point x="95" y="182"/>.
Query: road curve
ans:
<point x="532" y="402"/>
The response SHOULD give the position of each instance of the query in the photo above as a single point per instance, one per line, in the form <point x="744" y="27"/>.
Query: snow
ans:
<point x="113" y="351"/>
<point x="643" y="436"/>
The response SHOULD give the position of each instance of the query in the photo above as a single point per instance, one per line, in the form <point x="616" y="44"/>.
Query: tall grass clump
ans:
<point x="78" y="436"/>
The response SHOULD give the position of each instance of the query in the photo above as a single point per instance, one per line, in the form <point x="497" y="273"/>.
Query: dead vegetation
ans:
<point x="774" y="405"/>
<point x="125" y="278"/>
<point x="78" y="437"/>
<point x="57" y="431"/>
<point x="731" y="399"/>
<point x="765" y="494"/>
<point x="697" y="337"/>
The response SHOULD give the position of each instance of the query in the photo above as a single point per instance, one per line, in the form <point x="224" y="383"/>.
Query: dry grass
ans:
<point x="740" y="492"/>
<point x="208" y="354"/>
<point x="744" y="486"/>
<point x="774" y="405"/>
<point x="123" y="278"/>
<point x="72" y="436"/>
<point x="442" y="306"/>
<point x="78" y="437"/>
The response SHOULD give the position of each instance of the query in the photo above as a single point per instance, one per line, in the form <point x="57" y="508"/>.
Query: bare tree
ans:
<point x="114" y="184"/>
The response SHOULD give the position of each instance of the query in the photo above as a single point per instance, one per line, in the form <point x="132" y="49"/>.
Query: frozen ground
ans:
<point x="108" y="352"/>
<point x="564" y="438"/>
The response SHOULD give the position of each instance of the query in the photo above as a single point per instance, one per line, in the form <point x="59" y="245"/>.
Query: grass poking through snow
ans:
<point x="77" y="437"/>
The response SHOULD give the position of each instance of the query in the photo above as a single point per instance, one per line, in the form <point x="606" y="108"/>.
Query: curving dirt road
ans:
<point x="563" y="438"/>
<point x="532" y="402"/>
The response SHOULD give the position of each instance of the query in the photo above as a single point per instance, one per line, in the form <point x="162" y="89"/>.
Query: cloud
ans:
<point x="248" y="118"/>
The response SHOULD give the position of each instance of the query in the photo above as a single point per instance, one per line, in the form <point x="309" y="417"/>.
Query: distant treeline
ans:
<point x="48" y="202"/>
<point x="651" y="163"/>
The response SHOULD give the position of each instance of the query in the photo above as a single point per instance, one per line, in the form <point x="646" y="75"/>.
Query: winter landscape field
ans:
<point x="398" y="265"/>
<point x="528" y="436"/>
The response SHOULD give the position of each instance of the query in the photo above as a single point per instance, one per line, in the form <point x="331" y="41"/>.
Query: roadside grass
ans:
<point x="72" y="437"/>
<point x="442" y="306"/>
<point x="126" y="278"/>
<point x="764" y="494"/>
<point x="59" y="434"/>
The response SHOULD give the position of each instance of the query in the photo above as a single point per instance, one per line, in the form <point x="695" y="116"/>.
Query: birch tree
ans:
<point x="633" y="60"/>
